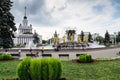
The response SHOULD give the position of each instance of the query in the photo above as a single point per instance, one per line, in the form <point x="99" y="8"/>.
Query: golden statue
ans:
<point x="64" y="38"/>
<point x="79" y="38"/>
<point x="85" y="39"/>
<point x="71" y="38"/>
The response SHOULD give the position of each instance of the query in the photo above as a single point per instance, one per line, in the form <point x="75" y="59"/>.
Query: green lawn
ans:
<point x="98" y="71"/>
<point x="8" y="69"/>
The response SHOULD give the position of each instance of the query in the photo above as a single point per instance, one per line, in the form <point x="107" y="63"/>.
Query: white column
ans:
<point x="18" y="41"/>
<point x="27" y="39"/>
<point x="22" y="40"/>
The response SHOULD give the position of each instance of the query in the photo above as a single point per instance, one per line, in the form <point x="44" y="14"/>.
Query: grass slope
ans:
<point x="98" y="71"/>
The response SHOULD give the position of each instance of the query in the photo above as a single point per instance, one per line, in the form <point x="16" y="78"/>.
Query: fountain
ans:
<point x="70" y="40"/>
<point x="48" y="47"/>
<point x="95" y="45"/>
<point x="30" y="45"/>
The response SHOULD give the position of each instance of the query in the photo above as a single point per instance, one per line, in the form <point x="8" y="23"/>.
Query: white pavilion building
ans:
<point x="25" y="34"/>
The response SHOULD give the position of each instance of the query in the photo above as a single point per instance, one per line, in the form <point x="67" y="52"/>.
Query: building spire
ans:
<point x="25" y="17"/>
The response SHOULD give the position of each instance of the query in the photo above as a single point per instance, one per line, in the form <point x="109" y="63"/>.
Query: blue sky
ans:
<point x="46" y="16"/>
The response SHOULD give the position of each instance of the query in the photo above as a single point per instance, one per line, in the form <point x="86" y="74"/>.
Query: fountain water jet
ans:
<point x="30" y="45"/>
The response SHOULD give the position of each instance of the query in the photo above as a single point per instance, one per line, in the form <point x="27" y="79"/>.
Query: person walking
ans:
<point x="6" y="51"/>
<point x="37" y="54"/>
<point x="19" y="52"/>
<point x="30" y="50"/>
<point x="42" y="50"/>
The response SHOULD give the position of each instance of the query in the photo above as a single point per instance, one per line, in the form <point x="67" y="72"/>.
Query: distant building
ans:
<point x="25" y="34"/>
<point x="95" y="35"/>
<point x="112" y="38"/>
<point x="86" y="33"/>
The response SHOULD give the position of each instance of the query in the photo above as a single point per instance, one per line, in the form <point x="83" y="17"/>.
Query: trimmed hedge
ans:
<point x="40" y="69"/>
<point x="5" y="56"/>
<point x="23" y="69"/>
<point x="35" y="69"/>
<point x="85" y="58"/>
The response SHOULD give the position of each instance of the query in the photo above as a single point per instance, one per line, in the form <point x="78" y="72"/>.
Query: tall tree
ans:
<point x="36" y="38"/>
<point x="118" y="37"/>
<point x="100" y="39"/>
<point x="119" y="33"/>
<point x="82" y="36"/>
<point x="7" y="25"/>
<point x="89" y="37"/>
<point x="44" y="41"/>
<point x="107" y="37"/>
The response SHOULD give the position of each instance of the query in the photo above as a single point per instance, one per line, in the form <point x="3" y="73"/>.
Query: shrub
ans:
<point x="89" y="58"/>
<point x="23" y="69"/>
<point x="55" y="69"/>
<point x="35" y="69"/>
<point x="82" y="58"/>
<point x="39" y="69"/>
<point x="59" y="69"/>
<point x="85" y="58"/>
<point x="5" y="57"/>
<point x="45" y="69"/>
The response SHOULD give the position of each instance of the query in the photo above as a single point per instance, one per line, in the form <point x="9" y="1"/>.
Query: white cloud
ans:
<point x="57" y="15"/>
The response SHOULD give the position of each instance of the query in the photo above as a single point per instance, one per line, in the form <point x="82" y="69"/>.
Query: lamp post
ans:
<point x="115" y="38"/>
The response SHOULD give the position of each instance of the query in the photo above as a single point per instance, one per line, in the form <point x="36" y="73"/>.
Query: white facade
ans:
<point x="40" y="37"/>
<point x="25" y="34"/>
<point x="86" y="33"/>
<point x="24" y="38"/>
<point x="95" y="35"/>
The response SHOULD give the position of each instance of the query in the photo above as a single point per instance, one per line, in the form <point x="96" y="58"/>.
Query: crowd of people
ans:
<point x="37" y="52"/>
<point x="33" y="52"/>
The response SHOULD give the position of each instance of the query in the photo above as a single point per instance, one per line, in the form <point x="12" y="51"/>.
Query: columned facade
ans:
<point x="25" y="34"/>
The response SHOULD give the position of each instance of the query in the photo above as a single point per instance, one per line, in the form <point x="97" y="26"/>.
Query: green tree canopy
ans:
<point x="118" y="37"/>
<point x="107" y="38"/>
<point x="90" y="37"/>
<point x="82" y="36"/>
<point x="7" y="25"/>
<point x="99" y="39"/>
<point x="36" y="38"/>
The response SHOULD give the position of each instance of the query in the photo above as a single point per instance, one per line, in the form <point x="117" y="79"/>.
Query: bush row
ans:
<point x="5" y="56"/>
<point x="39" y="69"/>
<point x="85" y="58"/>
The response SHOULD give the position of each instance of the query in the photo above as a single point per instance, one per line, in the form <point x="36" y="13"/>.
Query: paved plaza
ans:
<point x="103" y="53"/>
<point x="72" y="54"/>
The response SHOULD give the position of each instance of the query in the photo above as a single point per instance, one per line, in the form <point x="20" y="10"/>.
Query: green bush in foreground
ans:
<point x="45" y="69"/>
<point x="85" y="58"/>
<point x="35" y="69"/>
<point x="5" y="57"/>
<point x="40" y="69"/>
<point x="23" y="69"/>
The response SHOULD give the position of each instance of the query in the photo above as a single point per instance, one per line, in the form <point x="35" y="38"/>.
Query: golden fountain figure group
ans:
<point x="69" y="39"/>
